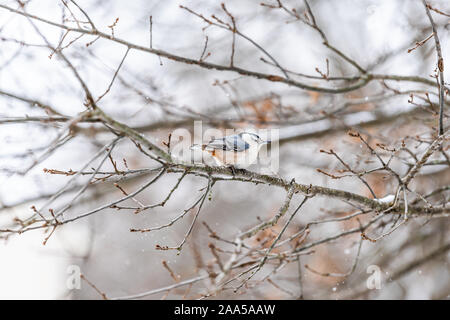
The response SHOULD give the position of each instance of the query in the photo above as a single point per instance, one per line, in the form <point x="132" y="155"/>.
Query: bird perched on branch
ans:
<point x="235" y="151"/>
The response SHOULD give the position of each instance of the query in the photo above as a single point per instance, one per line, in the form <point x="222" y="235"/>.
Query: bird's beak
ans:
<point x="266" y="142"/>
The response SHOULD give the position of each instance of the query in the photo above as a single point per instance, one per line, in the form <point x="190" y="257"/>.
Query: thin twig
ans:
<point x="440" y="66"/>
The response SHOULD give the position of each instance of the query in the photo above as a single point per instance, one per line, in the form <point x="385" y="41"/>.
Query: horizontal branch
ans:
<point x="364" y="79"/>
<point x="271" y="180"/>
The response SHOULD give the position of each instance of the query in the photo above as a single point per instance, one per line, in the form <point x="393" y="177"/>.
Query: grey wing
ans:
<point x="229" y="143"/>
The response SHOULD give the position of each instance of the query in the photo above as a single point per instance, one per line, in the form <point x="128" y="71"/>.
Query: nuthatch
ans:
<point x="238" y="150"/>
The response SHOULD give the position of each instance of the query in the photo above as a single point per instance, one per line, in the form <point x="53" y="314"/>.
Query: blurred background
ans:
<point x="156" y="95"/>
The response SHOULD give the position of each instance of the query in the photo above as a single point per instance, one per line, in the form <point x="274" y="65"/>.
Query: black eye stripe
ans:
<point x="253" y="135"/>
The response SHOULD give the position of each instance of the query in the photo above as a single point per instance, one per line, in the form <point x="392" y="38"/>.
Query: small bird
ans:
<point x="235" y="151"/>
